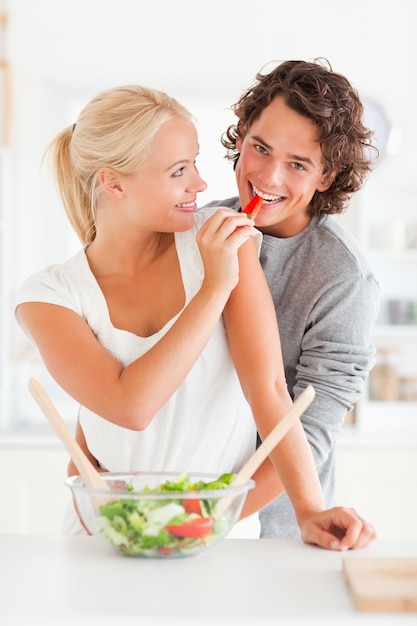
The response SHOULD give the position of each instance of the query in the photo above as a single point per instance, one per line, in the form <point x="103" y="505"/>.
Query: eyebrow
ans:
<point x="184" y="161"/>
<point x="179" y="163"/>
<point x="294" y="157"/>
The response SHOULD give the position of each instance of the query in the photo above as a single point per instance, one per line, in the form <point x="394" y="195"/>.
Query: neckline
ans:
<point x="99" y="295"/>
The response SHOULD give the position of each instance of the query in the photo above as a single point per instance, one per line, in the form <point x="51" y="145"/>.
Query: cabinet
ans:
<point x="387" y="228"/>
<point x="378" y="478"/>
<point x="37" y="496"/>
<point x="5" y="238"/>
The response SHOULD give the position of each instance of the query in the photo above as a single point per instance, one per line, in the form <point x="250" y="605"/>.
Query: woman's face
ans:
<point x="162" y="195"/>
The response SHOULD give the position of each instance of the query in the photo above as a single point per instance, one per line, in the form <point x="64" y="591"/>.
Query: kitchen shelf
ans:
<point x="384" y="416"/>
<point x="396" y="331"/>
<point x="393" y="256"/>
<point x="5" y="239"/>
<point x="389" y="240"/>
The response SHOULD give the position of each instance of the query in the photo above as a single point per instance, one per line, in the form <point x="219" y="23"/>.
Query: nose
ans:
<point x="198" y="184"/>
<point x="202" y="184"/>
<point x="272" y="174"/>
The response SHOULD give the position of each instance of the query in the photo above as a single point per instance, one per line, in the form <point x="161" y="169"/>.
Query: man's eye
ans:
<point x="260" y="149"/>
<point x="298" y="166"/>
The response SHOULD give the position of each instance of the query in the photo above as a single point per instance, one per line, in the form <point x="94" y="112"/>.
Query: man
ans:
<point x="300" y="144"/>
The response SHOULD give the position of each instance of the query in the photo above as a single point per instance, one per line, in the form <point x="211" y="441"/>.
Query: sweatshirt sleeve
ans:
<point x="336" y="356"/>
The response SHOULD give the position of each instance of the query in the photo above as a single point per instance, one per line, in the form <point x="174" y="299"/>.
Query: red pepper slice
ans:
<point x="166" y="551"/>
<point x="253" y="207"/>
<point x="192" y="505"/>
<point x="195" y="528"/>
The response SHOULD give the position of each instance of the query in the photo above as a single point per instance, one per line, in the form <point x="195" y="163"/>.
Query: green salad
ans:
<point x="171" y="527"/>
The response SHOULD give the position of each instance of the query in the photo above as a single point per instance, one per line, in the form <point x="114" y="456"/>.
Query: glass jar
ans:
<point x="384" y="382"/>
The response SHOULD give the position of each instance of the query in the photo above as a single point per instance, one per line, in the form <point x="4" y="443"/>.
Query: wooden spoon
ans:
<point x="87" y="470"/>
<point x="277" y="433"/>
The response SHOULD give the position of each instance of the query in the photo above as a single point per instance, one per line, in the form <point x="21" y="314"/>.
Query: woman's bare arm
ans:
<point x="131" y="396"/>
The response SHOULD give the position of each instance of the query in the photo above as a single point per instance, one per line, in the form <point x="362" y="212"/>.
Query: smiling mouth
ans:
<point x="186" y="206"/>
<point x="267" y="197"/>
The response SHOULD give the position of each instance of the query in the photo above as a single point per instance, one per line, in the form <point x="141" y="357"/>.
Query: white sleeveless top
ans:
<point x="206" y="425"/>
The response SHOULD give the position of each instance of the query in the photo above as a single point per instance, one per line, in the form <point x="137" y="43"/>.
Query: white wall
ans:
<point x="62" y="52"/>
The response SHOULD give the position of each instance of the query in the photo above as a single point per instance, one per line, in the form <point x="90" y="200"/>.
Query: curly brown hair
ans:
<point x="313" y="90"/>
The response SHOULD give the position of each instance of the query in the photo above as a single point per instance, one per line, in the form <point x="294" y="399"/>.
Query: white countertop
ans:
<point x="78" y="580"/>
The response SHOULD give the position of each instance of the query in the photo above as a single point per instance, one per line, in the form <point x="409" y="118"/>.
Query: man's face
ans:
<point x="280" y="160"/>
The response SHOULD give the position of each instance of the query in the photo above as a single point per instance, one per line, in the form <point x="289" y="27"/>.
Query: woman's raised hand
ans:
<point x="219" y="240"/>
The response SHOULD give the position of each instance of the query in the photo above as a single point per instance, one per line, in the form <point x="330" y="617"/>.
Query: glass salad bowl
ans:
<point x="160" y="515"/>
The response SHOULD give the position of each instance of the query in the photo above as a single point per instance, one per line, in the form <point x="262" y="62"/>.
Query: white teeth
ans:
<point x="266" y="196"/>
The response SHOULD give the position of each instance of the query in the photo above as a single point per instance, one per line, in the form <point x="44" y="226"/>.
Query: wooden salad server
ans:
<point x="277" y="433"/>
<point x="87" y="470"/>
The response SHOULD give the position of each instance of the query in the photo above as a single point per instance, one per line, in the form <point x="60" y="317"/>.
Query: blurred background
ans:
<point x="56" y="54"/>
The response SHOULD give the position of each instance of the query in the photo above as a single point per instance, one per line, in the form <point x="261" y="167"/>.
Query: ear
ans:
<point x="111" y="182"/>
<point x="238" y="143"/>
<point x="326" y="180"/>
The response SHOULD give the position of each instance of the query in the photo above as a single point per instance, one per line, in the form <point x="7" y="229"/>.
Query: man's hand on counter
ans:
<point x="339" y="528"/>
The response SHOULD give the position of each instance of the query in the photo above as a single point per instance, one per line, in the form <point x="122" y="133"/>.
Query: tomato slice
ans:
<point x="192" y="505"/>
<point x="195" y="528"/>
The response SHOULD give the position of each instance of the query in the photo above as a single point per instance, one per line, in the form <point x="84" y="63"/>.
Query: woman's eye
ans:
<point x="178" y="172"/>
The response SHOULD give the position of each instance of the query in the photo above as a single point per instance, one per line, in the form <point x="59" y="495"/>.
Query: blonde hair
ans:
<point x="115" y="129"/>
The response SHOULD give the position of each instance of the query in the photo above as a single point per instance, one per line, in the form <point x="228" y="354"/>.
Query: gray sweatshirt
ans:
<point x="326" y="299"/>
